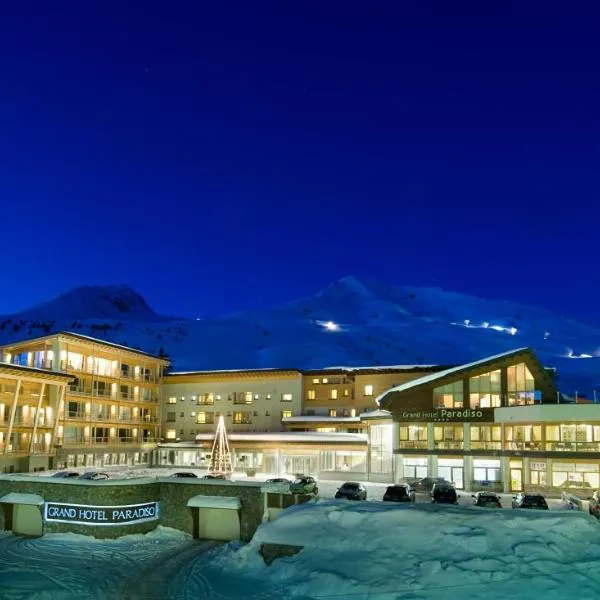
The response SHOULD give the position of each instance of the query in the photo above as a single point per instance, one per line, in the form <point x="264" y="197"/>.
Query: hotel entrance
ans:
<point x="451" y="469"/>
<point x="516" y="475"/>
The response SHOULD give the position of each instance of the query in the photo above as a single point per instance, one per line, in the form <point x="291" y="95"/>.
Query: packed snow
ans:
<point x="377" y="551"/>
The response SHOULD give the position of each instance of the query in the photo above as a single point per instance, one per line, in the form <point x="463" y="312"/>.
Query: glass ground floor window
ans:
<point x="487" y="470"/>
<point x="538" y="473"/>
<point x="577" y="475"/>
<point x="451" y="469"/>
<point x="345" y="460"/>
<point x="415" y="467"/>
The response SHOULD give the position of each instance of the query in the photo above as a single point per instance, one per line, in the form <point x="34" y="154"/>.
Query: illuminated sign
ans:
<point x="447" y="415"/>
<point x="83" y="514"/>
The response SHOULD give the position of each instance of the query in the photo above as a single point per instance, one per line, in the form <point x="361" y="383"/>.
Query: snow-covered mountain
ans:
<point x="352" y="322"/>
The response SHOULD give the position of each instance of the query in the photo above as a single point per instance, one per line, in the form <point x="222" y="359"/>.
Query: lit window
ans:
<point x="172" y="400"/>
<point x="333" y="412"/>
<point x="326" y="429"/>
<point x="286" y="397"/>
<point x="256" y="396"/>
<point x="325" y="380"/>
<point x="268" y="396"/>
<point x="316" y="381"/>
<point x="368" y="390"/>
<point x="192" y="414"/>
<point x="182" y="398"/>
<point x="334" y="394"/>
<point x="311" y="394"/>
<point x="171" y="434"/>
<point x="205" y="418"/>
<point x="346" y="392"/>
<point x="208" y="398"/>
<point x="286" y="414"/>
<point x="248" y="397"/>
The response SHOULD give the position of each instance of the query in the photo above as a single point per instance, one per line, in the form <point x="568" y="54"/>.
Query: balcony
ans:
<point x="573" y="446"/>
<point x="486" y="445"/>
<point x="105" y="441"/>
<point x="524" y="446"/>
<point x="413" y="444"/>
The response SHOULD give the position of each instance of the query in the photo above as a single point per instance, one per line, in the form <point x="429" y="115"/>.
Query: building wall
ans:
<point x="111" y="412"/>
<point x="249" y="401"/>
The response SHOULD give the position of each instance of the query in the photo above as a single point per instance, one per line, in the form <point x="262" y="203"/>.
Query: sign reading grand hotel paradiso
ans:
<point x="80" y="514"/>
<point x="447" y="415"/>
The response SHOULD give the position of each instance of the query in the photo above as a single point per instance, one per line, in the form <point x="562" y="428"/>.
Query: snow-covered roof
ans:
<point x="35" y="371"/>
<point x="281" y="436"/>
<point x="318" y="419"/>
<point x="376" y="414"/>
<point x="265" y="370"/>
<point x="18" y="498"/>
<point x="441" y="374"/>
<point x="200" y="501"/>
<point x="381" y="368"/>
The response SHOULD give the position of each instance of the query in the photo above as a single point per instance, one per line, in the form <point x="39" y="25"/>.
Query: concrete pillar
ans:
<point x="399" y="467"/>
<point x="505" y="468"/>
<point x="467" y="436"/>
<point x="468" y="472"/>
<point x="56" y="348"/>
<point x="432" y="465"/>
<point x="430" y="440"/>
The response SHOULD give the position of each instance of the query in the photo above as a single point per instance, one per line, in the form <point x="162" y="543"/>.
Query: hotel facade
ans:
<point x="68" y="400"/>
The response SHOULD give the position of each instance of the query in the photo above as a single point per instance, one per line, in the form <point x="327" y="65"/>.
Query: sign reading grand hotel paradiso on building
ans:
<point x="447" y="415"/>
<point x="80" y="514"/>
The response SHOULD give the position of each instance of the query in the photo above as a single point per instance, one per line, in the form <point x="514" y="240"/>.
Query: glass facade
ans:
<point x="573" y="438"/>
<point x="520" y="385"/>
<point x="523" y="437"/>
<point x="576" y="475"/>
<point x="448" y="437"/>
<point x="413" y="436"/>
<point x="381" y="448"/>
<point x="354" y="461"/>
<point x="486" y="437"/>
<point x="485" y="391"/>
<point x="449" y="396"/>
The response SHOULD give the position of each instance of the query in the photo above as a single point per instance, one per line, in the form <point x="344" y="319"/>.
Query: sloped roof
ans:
<point x="433" y="377"/>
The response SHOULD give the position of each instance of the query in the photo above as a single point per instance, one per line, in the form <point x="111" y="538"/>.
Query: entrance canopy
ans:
<point x="215" y="502"/>
<point x="16" y="498"/>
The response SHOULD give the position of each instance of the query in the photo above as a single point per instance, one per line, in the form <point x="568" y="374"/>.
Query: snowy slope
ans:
<point x="376" y="324"/>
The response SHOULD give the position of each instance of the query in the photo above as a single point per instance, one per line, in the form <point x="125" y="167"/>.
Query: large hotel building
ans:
<point x="498" y="423"/>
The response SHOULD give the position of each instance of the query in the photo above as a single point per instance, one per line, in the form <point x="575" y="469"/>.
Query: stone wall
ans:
<point x="173" y="495"/>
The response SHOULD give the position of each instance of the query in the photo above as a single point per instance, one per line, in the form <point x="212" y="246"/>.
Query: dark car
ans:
<point x="94" y="476"/>
<point x="444" y="493"/>
<point x="185" y="474"/>
<point x="401" y="492"/>
<point x="282" y="480"/>
<point x="487" y="499"/>
<point x="595" y="504"/>
<point x="351" y="490"/>
<point x="66" y="474"/>
<point x="534" y="501"/>
<point x="426" y="484"/>
<point x="304" y="485"/>
<point x="215" y="476"/>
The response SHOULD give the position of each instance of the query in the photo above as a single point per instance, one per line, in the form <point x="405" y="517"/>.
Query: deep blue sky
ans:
<point x="239" y="155"/>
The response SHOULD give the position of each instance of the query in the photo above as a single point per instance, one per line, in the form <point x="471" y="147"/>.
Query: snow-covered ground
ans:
<point x="376" y="551"/>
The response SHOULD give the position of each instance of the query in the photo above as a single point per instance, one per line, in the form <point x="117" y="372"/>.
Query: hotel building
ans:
<point x="497" y="423"/>
<point x="110" y="411"/>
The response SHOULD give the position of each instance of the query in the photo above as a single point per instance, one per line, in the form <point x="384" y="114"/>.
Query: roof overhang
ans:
<point x="16" y="498"/>
<point x="228" y="502"/>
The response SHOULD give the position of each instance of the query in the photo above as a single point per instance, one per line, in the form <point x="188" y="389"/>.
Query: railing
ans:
<point x="573" y="446"/>
<point x="486" y="445"/>
<point x="82" y="391"/>
<point x="105" y="441"/>
<point x="527" y="446"/>
<point x="448" y="445"/>
<point x="413" y="445"/>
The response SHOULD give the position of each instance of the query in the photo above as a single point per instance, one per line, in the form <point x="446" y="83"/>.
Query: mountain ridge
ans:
<point x="354" y="321"/>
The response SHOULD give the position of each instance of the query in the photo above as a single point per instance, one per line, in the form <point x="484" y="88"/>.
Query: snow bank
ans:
<point x="380" y="551"/>
<point x="160" y="534"/>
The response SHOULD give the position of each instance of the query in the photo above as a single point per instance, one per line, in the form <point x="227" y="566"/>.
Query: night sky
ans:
<point x="222" y="156"/>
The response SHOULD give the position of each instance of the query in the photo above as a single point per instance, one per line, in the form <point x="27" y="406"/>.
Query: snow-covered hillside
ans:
<point x="353" y="322"/>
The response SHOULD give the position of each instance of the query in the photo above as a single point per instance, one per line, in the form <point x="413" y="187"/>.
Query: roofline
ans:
<point x="232" y="371"/>
<point x="34" y="370"/>
<point x="85" y="338"/>
<point x="372" y="370"/>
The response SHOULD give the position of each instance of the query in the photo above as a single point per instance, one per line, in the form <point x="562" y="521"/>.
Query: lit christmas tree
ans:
<point x="220" y="460"/>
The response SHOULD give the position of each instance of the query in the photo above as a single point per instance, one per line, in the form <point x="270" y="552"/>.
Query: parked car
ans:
<point x="426" y="484"/>
<point x="444" y="493"/>
<point x="66" y="474"/>
<point x="304" y="485"/>
<point x="215" y="476"/>
<point x="94" y="476"/>
<point x="595" y="504"/>
<point x="401" y="492"/>
<point x="185" y="474"/>
<point x="487" y="499"/>
<point x="534" y="501"/>
<point x="351" y="490"/>
<point x="281" y="480"/>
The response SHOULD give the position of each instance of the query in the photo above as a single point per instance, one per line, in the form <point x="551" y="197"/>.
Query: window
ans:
<point x="380" y="447"/>
<point x="333" y="394"/>
<point x="287" y="397"/>
<point x="523" y="437"/>
<point x="192" y="414"/>
<point x="520" y="385"/>
<point x="268" y="396"/>
<point x="487" y="470"/>
<point x="310" y="412"/>
<point x="324" y="380"/>
<point x="205" y="418"/>
<point x="333" y="412"/>
<point x="576" y="475"/>
<point x="448" y="437"/>
<point x="181" y="414"/>
<point x="484" y="390"/>
<point x="243" y="398"/>
<point x="449" y="395"/>
<point x="206" y="399"/>
<point x="315" y="381"/>
<point x="413" y="436"/>
<point x="170" y="417"/>
<point x="326" y="429"/>
<point x="286" y="414"/>
<point x="182" y="399"/>
<point x="242" y="418"/>
<point x="171" y="434"/>
<point x="344" y="460"/>
<point x="486" y="437"/>
<point x="368" y="390"/>
<point x="572" y="437"/>
<point x="311" y="395"/>
<point x="538" y="473"/>
<point x="346" y="392"/>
